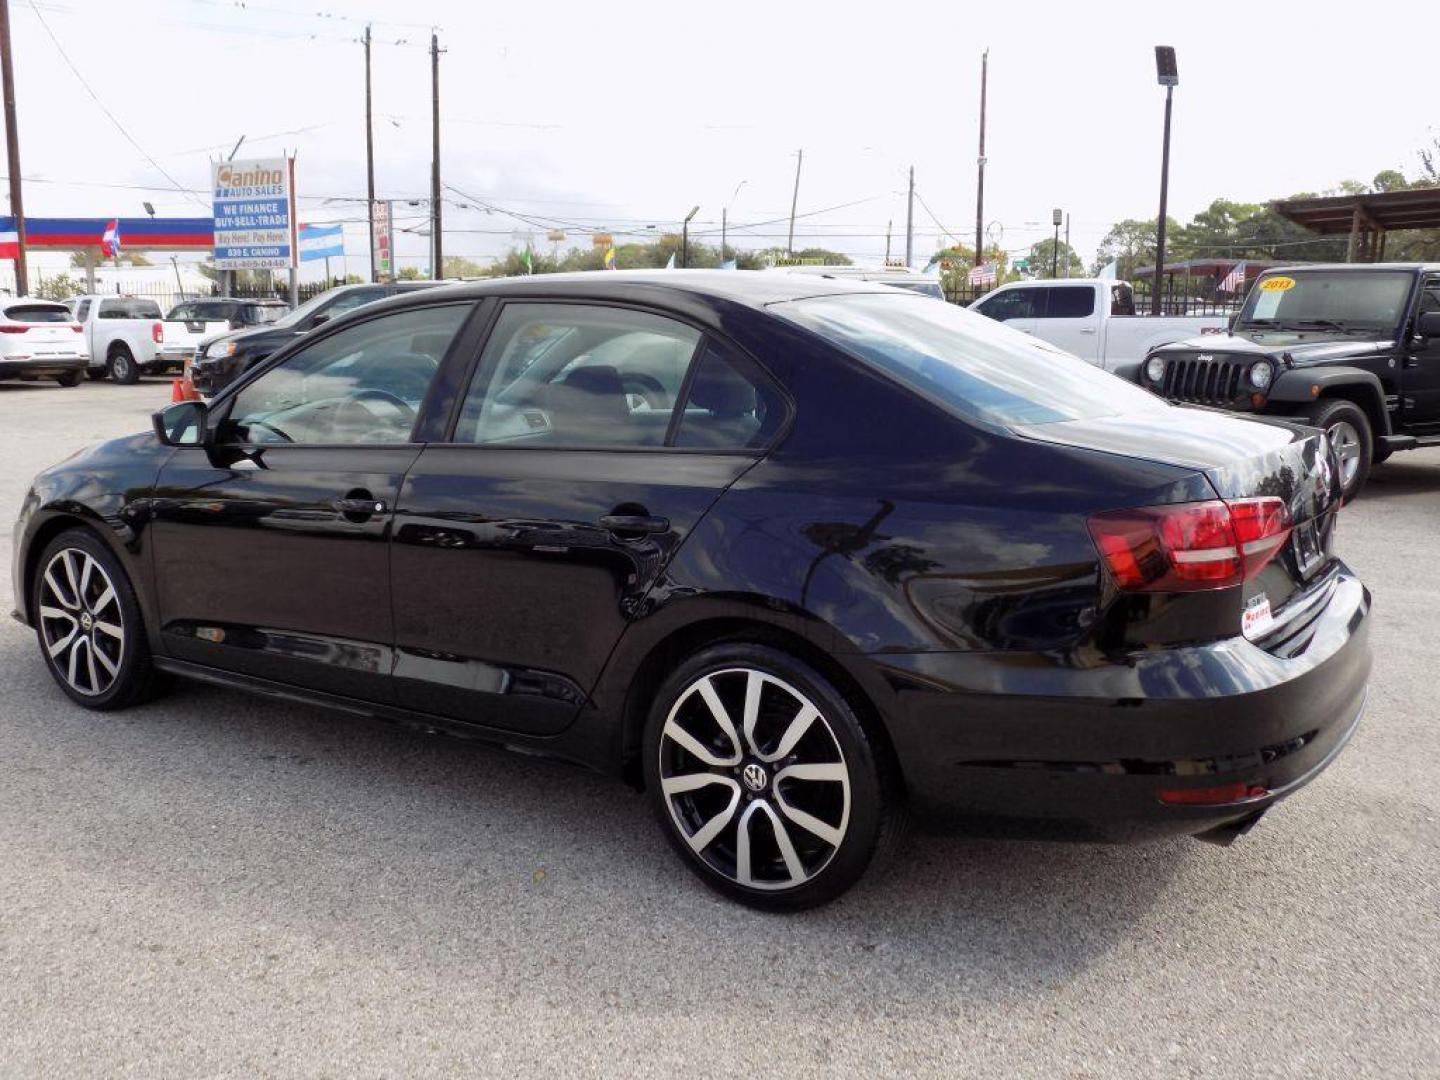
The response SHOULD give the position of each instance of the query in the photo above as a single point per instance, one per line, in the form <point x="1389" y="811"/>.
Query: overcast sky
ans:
<point x="624" y="115"/>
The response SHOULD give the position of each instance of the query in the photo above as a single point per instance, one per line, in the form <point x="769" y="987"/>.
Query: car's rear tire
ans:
<point x="88" y="623"/>
<point x="1349" y="430"/>
<point x="122" y="366"/>
<point x="765" y="779"/>
<point x="70" y="378"/>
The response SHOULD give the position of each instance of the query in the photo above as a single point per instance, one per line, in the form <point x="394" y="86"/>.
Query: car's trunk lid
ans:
<point x="1242" y="459"/>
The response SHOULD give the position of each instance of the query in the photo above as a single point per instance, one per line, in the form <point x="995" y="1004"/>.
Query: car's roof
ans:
<point x="1350" y="268"/>
<point x="749" y="287"/>
<point x="31" y="301"/>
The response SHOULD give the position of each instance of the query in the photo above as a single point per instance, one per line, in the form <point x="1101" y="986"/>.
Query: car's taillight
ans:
<point x="157" y="331"/>
<point x="12" y="328"/>
<point x="77" y="328"/>
<point x="1190" y="546"/>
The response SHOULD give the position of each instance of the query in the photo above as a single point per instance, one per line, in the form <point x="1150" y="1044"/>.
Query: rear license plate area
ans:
<point x="1308" y="544"/>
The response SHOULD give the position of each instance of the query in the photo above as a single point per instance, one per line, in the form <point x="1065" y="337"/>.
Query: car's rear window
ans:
<point x="128" y="307"/>
<point x="39" y="313"/>
<point x="970" y="363"/>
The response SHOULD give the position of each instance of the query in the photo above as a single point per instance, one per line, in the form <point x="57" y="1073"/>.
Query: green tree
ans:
<point x="1390" y="180"/>
<point x="1130" y="244"/>
<point x="59" y="287"/>
<point x="1066" y="260"/>
<point x="457" y="266"/>
<point x="410" y="273"/>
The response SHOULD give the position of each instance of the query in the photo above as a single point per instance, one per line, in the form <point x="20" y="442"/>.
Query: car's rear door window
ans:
<point x="1069" y="302"/>
<point x="966" y="362"/>
<point x="576" y="375"/>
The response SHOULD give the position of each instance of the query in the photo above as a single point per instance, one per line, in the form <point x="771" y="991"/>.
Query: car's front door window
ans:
<point x="362" y="385"/>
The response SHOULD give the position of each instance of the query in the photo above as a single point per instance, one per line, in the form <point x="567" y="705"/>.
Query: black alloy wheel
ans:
<point x="88" y="624"/>
<point x="764" y="778"/>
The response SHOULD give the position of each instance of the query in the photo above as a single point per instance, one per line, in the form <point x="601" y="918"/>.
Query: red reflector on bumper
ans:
<point x="1211" y="796"/>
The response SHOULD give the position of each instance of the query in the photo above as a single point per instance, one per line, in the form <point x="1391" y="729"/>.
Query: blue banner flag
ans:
<point x="321" y="241"/>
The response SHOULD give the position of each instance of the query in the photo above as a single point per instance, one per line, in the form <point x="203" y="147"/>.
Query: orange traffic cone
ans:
<point x="187" y="387"/>
<point x="177" y="391"/>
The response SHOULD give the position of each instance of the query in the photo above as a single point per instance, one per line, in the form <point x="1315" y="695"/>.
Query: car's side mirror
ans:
<point x="185" y="423"/>
<point x="318" y="318"/>
<point x="1230" y="323"/>
<point x="1428" y="325"/>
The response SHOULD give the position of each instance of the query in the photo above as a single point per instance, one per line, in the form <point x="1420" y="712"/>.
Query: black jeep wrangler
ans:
<point x="1351" y="348"/>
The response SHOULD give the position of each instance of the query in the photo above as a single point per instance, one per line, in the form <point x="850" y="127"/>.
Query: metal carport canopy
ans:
<point x="1415" y="208"/>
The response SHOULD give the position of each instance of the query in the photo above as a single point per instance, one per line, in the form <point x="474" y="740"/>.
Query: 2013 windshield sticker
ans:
<point x="1256" y="619"/>
<point x="1277" y="284"/>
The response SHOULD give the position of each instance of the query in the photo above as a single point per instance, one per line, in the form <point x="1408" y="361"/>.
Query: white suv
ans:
<point x="40" y="339"/>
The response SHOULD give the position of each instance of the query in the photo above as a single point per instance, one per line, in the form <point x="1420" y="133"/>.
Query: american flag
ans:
<point x="1234" y="281"/>
<point x="984" y="274"/>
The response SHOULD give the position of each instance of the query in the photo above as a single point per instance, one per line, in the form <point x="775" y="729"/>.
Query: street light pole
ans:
<point x="725" y="214"/>
<point x="369" y="159"/>
<point x="980" y="181"/>
<point x="1055" y="216"/>
<point x="685" y="238"/>
<point x="794" y="201"/>
<point x="1168" y="76"/>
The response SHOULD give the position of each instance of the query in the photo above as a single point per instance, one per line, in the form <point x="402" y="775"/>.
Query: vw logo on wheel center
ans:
<point x="755" y="777"/>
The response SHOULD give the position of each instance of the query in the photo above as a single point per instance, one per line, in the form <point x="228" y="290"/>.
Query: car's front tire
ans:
<point x="765" y="779"/>
<point x="88" y="623"/>
<point x="1349" y="430"/>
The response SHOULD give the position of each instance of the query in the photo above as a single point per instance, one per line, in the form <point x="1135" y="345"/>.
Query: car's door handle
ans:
<point x="635" y="523"/>
<point x="1087" y="330"/>
<point x="359" y="507"/>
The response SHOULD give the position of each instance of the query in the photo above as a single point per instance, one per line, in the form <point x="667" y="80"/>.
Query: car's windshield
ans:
<point x="924" y="288"/>
<point x="265" y="314"/>
<point x="976" y="366"/>
<point x="309" y="307"/>
<point x="1327" y="300"/>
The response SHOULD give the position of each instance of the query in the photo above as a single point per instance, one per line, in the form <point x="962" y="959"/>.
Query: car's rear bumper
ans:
<point x="168" y="360"/>
<point x="1094" y="746"/>
<point x="42" y="368"/>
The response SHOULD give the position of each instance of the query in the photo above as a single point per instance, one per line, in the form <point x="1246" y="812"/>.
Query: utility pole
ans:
<point x="887" y="240"/>
<point x="794" y="201"/>
<point x="369" y="157"/>
<point x="1067" y="243"/>
<point x="12" y="147"/>
<point x="910" y="220"/>
<point x="1168" y="75"/>
<point x="437" y="255"/>
<point x="724" y="214"/>
<point x="980" y="181"/>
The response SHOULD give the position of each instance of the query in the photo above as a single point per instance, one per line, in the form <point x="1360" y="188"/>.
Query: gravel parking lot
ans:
<point x="218" y="884"/>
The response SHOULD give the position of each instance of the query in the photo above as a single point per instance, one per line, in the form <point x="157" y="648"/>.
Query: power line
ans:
<point x="96" y="97"/>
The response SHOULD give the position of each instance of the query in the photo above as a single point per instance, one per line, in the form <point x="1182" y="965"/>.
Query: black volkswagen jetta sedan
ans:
<point x="798" y="556"/>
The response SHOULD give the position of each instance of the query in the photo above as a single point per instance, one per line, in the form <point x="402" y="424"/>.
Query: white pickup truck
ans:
<point x="1093" y="318"/>
<point x="128" y="338"/>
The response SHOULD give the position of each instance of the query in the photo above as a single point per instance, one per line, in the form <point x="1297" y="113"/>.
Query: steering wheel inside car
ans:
<point x="357" y="400"/>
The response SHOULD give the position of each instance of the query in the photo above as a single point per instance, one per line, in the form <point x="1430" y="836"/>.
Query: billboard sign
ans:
<point x="382" y="256"/>
<point x="254" y="214"/>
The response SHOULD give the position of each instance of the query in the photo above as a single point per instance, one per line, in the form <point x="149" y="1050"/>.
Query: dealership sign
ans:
<point x="254" y="214"/>
<point x="381" y="254"/>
